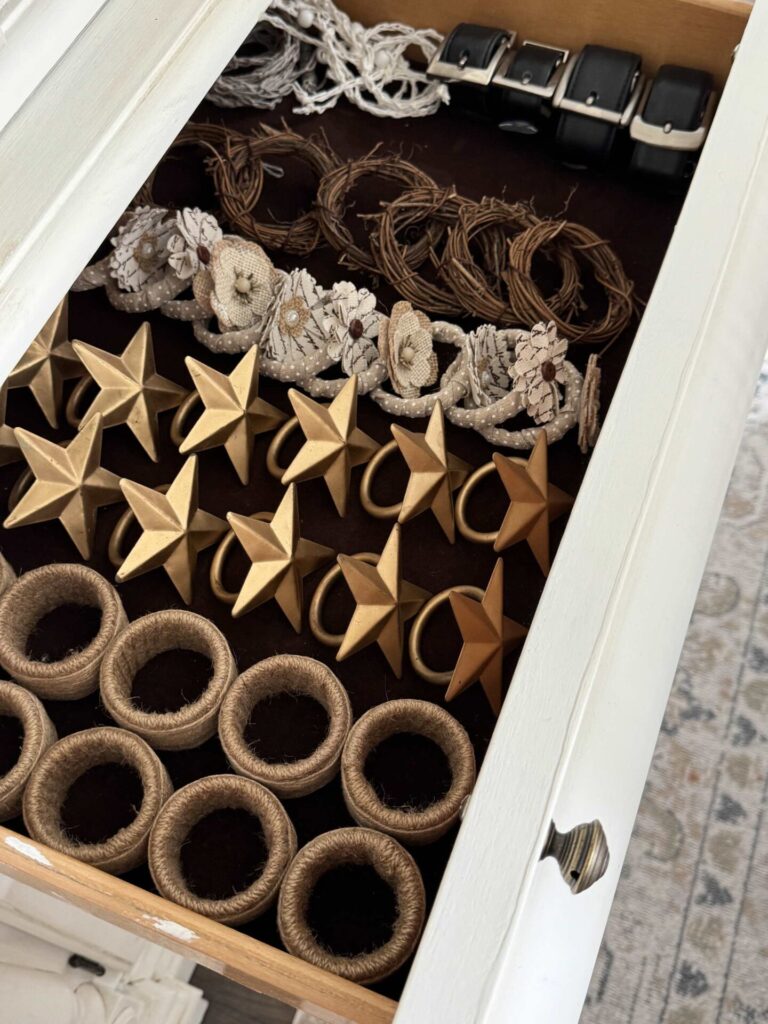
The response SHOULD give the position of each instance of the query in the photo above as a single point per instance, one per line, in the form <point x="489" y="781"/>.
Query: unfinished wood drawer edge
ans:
<point x="247" y="961"/>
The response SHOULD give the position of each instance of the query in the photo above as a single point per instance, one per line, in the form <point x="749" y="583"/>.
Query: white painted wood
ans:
<point x="76" y="152"/>
<point x="34" y="34"/>
<point x="506" y="940"/>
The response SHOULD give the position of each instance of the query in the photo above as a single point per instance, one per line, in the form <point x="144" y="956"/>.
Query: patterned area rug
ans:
<point x="687" y="941"/>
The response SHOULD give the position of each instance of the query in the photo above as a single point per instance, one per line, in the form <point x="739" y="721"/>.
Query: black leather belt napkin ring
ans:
<point x="525" y="83"/>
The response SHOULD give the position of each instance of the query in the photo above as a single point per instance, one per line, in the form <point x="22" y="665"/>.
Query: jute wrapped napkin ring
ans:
<point x="30" y="599"/>
<point x="69" y="759"/>
<point x="154" y="634"/>
<point x="38" y="734"/>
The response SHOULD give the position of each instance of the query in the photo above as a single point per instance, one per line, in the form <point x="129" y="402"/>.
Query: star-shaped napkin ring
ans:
<point x="333" y="444"/>
<point x="487" y="633"/>
<point x="384" y="602"/>
<point x="434" y="475"/>
<point x="174" y="530"/>
<point x="533" y="503"/>
<point x="280" y="559"/>
<point x="47" y="363"/>
<point x="65" y="482"/>
<point x="130" y="389"/>
<point x="233" y="414"/>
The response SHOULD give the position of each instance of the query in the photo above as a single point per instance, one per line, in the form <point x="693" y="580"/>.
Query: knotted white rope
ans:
<point x="319" y="55"/>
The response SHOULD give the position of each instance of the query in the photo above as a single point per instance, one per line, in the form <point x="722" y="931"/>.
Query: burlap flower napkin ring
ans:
<point x="304" y="330"/>
<point x="189" y="806"/>
<point x="69" y="759"/>
<point x="29" y="600"/>
<point x="38" y="733"/>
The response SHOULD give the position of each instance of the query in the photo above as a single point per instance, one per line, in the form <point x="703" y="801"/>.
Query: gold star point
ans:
<point x="174" y="529"/>
<point x="70" y="484"/>
<point x="534" y="502"/>
<point x="334" y="443"/>
<point x="9" y="446"/>
<point x="384" y="602"/>
<point x="488" y="637"/>
<point x="435" y="473"/>
<point x="48" y="362"/>
<point x="131" y="391"/>
<point x="280" y="559"/>
<point x="234" y="414"/>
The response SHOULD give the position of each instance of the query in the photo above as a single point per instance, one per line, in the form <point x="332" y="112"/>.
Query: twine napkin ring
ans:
<point x="192" y="804"/>
<point x="39" y="734"/>
<point x="391" y="862"/>
<point x="286" y="674"/>
<point x="410" y="825"/>
<point x="64" y="763"/>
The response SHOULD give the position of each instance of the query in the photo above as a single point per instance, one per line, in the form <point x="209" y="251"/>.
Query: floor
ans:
<point x="687" y="941"/>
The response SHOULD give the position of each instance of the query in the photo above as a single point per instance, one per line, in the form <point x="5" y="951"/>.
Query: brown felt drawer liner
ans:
<point x="480" y="161"/>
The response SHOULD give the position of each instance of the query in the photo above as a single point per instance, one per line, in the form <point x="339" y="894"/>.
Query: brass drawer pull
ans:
<point x="582" y="854"/>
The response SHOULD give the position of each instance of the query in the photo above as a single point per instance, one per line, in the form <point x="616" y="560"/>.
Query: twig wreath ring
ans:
<point x="431" y="675"/>
<point x="220" y="560"/>
<point x="295" y="675"/>
<point x="320" y="596"/>
<point x="410" y="825"/>
<point x="192" y="804"/>
<point x="366" y="485"/>
<point x="391" y="862"/>
<point x="191" y="724"/>
<point x="69" y="759"/>
<point x="29" y="600"/>
<point x="38" y="735"/>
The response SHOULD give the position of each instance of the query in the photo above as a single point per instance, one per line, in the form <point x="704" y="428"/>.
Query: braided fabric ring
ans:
<point x="28" y="600"/>
<point x="286" y="674"/>
<point x="192" y="804"/>
<point x="153" y="634"/>
<point x="417" y="826"/>
<point x="64" y="763"/>
<point x="39" y="734"/>
<point x="391" y="862"/>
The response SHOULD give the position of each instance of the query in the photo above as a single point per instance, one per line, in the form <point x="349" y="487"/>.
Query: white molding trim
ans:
<point x="76" y="152"/>
<point x="506" y="940"/>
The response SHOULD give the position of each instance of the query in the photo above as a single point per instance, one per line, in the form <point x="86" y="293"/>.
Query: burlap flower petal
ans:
<point x="296" y="328"/>
<point x="244" y="282"/>
<point x="405" y="345"/>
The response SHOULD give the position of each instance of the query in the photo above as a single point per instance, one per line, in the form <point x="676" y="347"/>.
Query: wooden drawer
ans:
<point x="506" y="938"/>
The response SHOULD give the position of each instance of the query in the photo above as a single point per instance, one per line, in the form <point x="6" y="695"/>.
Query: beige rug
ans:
<point x="687" y="941"/>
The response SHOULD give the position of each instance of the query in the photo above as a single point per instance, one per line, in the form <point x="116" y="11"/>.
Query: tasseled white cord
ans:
<point x="367" y="65"/>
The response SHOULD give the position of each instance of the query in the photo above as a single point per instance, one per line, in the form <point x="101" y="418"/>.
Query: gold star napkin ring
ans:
<point x="431" y="675"/>
<point x="366" y="485"/>
<point x="467" y="531"/>
<point x="275" y="447"/>
<point x="72" y="412"/>
<point x="413" y="825"/>
<point x="122" y="526"/>
<point x="320" y="596"/>
<point x="220" y="558"/>
<point x="179" y="422"/>
<point x="21" y="484"/>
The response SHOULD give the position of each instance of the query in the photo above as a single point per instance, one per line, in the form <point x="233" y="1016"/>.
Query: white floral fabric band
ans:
<point x="304" y="330"/>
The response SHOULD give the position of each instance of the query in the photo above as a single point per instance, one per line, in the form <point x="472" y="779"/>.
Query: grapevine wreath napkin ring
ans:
<point x="303" y="330"/>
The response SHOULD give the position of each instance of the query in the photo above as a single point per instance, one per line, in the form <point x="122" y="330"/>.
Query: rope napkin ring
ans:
<point x="294" y="675"/>
<point x="38" y="735"/>
<point x="391" y="862"/>
<point x="65" y="762"/>
<point x="153" y="634"/>
<point x="192" y="804"/>
<point x="29" y="600"/>
<point x="408" y="824"/>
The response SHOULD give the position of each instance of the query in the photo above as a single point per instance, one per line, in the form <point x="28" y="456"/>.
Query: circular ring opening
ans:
<point x="418" y="825"/>
<point x="122" y="526"/>
<point x="320" y="596"/>
<point x="34" y="732"/>
<point x="275" y="446"/>
<point x="67" y="761"/>
<point x="151" y="637"/>
<point x="220" y="560"/>
<point x="366" y="485"/>
<point x="431" y="675"/>
<point x="293" y="675"/>
<point x="467" y="531"/>
<point x="189" y="807"/>
<point x="393" y="864"/>
<point x="29" y="600"/>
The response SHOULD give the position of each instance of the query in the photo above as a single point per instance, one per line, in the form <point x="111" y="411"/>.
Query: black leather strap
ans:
<point x="517" y="108"/>
<point x="602" y="79"/>
<point x="470" y="47"/>
<point x="677" y="101"/>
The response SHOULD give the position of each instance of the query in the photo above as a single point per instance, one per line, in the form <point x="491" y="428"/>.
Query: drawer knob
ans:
<point x="582" y="854"/>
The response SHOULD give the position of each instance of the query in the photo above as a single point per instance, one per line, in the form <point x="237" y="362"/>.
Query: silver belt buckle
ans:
<point x="686" y="140"/>
<point x="589" y="107"/>
<point x="545" y="91"/>
<point x="462" y="72"/>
